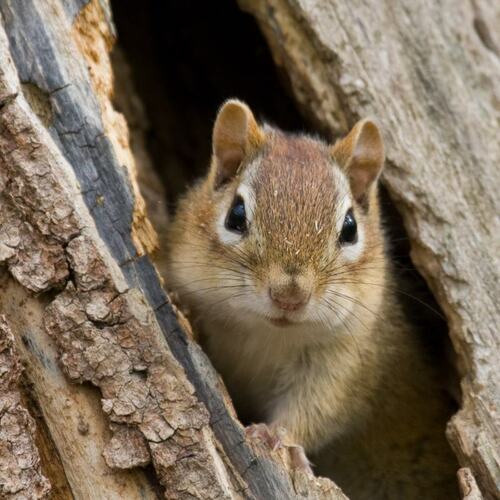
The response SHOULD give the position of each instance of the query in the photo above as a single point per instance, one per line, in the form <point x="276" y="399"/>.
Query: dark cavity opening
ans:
<point x="187" y="58"/>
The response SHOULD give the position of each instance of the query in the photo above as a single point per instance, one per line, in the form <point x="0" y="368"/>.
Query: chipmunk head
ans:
<point x="285" y="228"/>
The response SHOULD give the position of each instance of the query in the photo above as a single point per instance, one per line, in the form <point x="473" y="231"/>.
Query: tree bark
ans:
<point x="429" y="72"/>
<point x="19" y="459"/>
<point x="127" y="405"/>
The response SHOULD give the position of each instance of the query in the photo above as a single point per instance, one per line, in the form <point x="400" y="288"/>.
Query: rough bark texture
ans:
<point x="20" y="475"/>
<point x="85" y="301"/>
<point x="468" y="485"/>
<point x="429" y="72"/>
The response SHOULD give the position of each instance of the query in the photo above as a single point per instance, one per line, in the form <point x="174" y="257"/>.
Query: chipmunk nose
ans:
<point x="289" y="298"/>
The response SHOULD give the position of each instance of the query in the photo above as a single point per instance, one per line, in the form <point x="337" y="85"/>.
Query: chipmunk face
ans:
<point x="285" y="229"/>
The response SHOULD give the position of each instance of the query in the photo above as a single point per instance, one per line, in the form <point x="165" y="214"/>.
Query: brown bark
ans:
<point x="429" y="72"/>
<point x="20" y="475"/>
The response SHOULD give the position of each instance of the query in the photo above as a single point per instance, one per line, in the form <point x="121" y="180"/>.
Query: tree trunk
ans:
<point x="126" y="404"/>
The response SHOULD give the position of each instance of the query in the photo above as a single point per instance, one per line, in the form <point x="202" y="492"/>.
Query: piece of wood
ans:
<point x="429" y="72"/>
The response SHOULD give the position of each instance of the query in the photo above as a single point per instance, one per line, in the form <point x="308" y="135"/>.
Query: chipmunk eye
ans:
<point x="349" y="233"/>
<point x="236" y="219"/>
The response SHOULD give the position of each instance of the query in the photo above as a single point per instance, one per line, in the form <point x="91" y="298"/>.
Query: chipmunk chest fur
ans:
<point x="267" y="371"/>
<point x="279" y="255"/>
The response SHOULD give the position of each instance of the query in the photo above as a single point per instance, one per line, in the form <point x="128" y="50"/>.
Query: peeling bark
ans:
<point x="20" y="474"/>
<point x="94" y="36"/>
<point x="137" y="375"/>
<point x="428" y="72"/>
<point x="76" y="430"/>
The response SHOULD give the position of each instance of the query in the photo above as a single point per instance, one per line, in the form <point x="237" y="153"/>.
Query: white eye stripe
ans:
<point x="248" y="196"/>
<point x="225" y="236"/>
<point x="345" y="201"/>
<point x="342" y="208"/>
<point x="353" y="251"/>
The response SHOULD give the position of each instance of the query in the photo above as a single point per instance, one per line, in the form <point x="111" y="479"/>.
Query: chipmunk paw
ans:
<point x="299" y="459"/>
<point x="274" y="437"/>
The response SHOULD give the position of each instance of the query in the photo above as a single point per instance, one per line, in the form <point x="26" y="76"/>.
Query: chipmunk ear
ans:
<point x="361" y="155"/>
<point x="235" y="135"/>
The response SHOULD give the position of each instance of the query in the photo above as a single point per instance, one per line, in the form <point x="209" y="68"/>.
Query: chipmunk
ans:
<point x="280" y="252"/>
